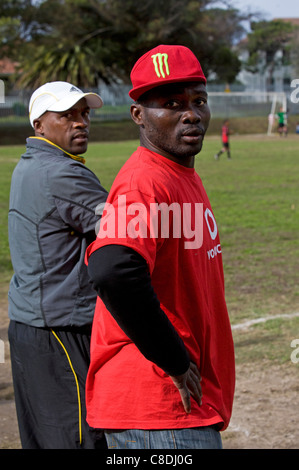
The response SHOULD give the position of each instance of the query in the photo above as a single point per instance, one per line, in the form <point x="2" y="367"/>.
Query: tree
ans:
<point x="268" y="38"/>
<point x="227" y="65"/>
<point x="86" y="40"/>
<point x="16" y="19"/>
<point x="294" y="52"/>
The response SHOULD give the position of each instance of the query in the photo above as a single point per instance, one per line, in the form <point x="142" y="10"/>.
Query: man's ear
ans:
<point x="136" y="114"/>
<point x="38" y="127"/>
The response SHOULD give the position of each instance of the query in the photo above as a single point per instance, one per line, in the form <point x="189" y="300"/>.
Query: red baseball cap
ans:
<point x="164" y="64"/>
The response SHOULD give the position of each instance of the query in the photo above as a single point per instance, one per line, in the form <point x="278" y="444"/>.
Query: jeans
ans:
<point x="191" y="438"/>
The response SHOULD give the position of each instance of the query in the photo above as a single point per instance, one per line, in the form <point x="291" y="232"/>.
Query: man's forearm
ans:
<point x="122" y="280"/>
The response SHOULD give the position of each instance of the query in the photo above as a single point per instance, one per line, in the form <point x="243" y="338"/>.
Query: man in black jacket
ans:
<point x="51" y="301"/>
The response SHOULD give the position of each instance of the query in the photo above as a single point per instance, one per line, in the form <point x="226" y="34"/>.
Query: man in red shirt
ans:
<point x="225" y="132"/>
<point x="162" y="359"/>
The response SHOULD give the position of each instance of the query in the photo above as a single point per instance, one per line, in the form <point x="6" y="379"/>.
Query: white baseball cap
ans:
<point x="58" y="97"/>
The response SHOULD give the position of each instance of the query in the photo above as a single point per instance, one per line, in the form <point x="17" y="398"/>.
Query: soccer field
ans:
<point x="255" y="199"/>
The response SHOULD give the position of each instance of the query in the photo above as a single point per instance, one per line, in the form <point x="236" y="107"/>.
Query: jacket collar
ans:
<point x="78" y="158"/>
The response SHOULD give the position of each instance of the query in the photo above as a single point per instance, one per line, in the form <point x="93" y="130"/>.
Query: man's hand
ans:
<point x="189" y="384"/>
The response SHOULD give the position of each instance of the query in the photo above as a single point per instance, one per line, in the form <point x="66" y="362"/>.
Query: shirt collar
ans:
<point x="78" y="158"/>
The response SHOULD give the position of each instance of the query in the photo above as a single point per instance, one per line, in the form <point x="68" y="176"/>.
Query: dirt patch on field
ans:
<point x="265" y="413"/>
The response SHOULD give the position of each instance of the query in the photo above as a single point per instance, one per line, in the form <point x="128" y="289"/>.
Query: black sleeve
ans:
<point x="122" y="280"/>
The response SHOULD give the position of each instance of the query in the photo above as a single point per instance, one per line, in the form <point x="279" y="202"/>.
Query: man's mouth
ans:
<point x="193" y="135"/>
<point x="81" y="137"/>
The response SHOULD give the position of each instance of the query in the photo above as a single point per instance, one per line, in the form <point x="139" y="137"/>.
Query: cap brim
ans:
<point x="93" y="101"/>
<point x="136" y="92"/>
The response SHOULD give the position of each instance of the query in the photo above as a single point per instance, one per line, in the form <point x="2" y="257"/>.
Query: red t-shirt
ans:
<point x="124" y="390"/>
<point x="225" y="134"/>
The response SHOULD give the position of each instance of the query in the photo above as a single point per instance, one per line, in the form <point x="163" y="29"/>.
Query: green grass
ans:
<point x="270" y="341"/>
<point x="255" y="199"/>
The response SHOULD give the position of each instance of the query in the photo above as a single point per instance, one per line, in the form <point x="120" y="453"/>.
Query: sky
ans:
<point x="270" y="8"/>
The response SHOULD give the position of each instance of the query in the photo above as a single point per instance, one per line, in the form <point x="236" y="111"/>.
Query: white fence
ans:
<point x="222" y="104"/>
<point x="238" y="104"/>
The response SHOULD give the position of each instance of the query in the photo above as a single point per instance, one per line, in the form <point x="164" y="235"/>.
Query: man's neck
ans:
<point x="187" y="161"/>
<point x="78" y="158"/>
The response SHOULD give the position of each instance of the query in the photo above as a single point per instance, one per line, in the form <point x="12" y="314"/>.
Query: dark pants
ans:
<point x="49" y="370"/>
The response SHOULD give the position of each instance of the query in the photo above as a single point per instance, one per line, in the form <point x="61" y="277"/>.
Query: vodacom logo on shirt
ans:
<point x="212" y="227"/>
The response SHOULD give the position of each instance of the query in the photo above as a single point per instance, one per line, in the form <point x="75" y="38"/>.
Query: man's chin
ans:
<point x="78" y="149"/>
<point x="192" y="150"/>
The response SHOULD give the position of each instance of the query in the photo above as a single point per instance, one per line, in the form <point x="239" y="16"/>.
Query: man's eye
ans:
<point x="172" y="104"/>
<point x="201" y="102"/>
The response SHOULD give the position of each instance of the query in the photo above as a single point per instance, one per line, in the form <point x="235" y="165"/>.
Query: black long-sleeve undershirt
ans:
<point x="122" y="280"/>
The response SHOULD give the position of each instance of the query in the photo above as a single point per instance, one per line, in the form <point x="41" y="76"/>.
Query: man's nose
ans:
<point x="81" y="121"/>
<point x="191" y="115"/>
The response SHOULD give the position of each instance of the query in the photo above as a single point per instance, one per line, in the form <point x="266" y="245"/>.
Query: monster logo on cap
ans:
<point x="158" y="63"/>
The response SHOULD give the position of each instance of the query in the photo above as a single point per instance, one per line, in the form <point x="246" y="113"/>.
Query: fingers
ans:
<point x="180" y="381"/>
<point x="193" y="383"/>
<point x="193" y="367"/>
<point x="185" y="397"/>
<point x="189" y="384"/>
